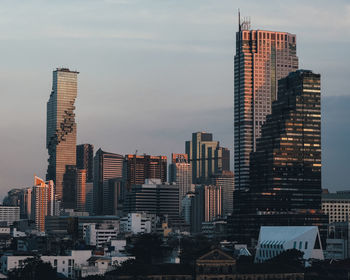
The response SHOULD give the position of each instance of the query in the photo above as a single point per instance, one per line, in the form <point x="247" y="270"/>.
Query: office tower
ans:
<point x="140" y="168"/>
<point x="85" y="160"/>
<point x="13" y="198"/>
<point x="225" y="180"/>
<point x="262" y="58"/>
<point x="42" y="202"/>
<point x="81" y="190"/>
<point x="69" y="187"/>
<point x="207" y="205"/>
<point x="206" y="157"/>
<point x="154" y="197"/>
<point x="180" y="172"/>
<point x="61" y="127"/>
<point x="117" y="191"/>
<point x="106" y="166"/>
<point x="285" y="169"/>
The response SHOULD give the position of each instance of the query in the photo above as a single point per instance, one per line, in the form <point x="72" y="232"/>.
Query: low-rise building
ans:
<point x="336" y="205"/>
<point x="337" y="243"/>
<point x="99" y="234"/>
<point x="138" y="223"/>
<point x="274" y="240"/>
<point x="9" y="214"/>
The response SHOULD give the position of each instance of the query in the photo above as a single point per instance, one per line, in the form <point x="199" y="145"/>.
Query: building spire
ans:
<point x="239" y="20"/>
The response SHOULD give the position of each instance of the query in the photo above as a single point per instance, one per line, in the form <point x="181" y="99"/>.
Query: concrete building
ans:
<point x="99" y="234"/>
<point x="262" y="58"/>
<point x="186" y="206"/>
<point x="226" y="181"/>
<point x="107" y="166"/>
<point x="180" y="172"/>
<point x="336" y="206"/>
<point x="61" y="127"/>
<point x="85" y="160"/>
<point x="89" y="197"/>
<point x="9" y="214"/>
<point x="274" y="240"/>
<point x="138" y="223"/>
<point x="206" y="157"/>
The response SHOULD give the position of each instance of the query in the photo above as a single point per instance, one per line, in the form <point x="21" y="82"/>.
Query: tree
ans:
<point x="194" y="247"/>
<point x="147" y="248"/>
<point x="33" y="269"/>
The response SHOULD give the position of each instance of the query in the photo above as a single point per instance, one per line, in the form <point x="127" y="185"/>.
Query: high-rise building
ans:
<point x="206" y="157"/>
<point x="262" y="58"/>
<point x="106" y="166"/>
<point x="285" y="169"/>
<point x="226" y="181"/>
<point x="207" y="205"/>
<point x="154" y="197"/>
<point x="142" y="167"/>
<point x="9" y="214"/>
<point x="180" y="172"/>
<point x="336" y="206"/>
<point x="81" y="190"/>
<point x="89" y="199"/>
<point x="61" y="126"/>
<point x="42" y="203"/>
<point x="85" y="160"/>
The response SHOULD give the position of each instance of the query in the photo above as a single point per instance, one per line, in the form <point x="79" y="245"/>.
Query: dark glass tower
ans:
<point x="285" y="169"/>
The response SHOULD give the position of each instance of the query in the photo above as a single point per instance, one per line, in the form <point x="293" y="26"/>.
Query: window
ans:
<point x="305" y="245"/>
<point x="55" y="263"/>
<point x="295" y="245"/>
<point x="300" y="245"/>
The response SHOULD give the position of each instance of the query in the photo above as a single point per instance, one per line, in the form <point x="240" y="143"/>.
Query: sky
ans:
<point x="154" y="71"/>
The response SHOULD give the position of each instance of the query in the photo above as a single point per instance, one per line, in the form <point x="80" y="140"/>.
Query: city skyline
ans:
<point x="216" y="101"/>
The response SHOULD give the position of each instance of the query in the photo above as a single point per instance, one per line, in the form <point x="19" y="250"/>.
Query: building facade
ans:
<point x="81" y="190"/>
<point x="107" y="166"/>
<point x="154" y="197"/>
<point x="61" y="129"/>
<point x="180" y="172"/>
<point x="42" y="202"/>
<point x="207" y="205"/>
<point x="142" y="167"/>
<point x="206" y="157"/>
<point x="262" y="58"/>
<point x="85" y="160"/>
<point x="336" y="206"/>
<point x="226" y="181"/>
<point x="9" y="214"/>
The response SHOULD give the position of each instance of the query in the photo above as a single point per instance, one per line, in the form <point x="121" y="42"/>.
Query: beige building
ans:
<point x="81" y="190"/>
<point x="336" y="206"/>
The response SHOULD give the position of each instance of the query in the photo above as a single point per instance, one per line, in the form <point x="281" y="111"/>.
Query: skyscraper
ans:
<point x="81" y="190"/>
<point x="206" y="157"/>
<point x="61" y="127"/>
<point x="42" y="203"/>
<point x="142" y="167"/>
<point x="85" y="160"/>
<point x="107" y="166"/>
<point x="180" y="172"/>
<point x="262" y="58"/>
<point x="285" y="169"/>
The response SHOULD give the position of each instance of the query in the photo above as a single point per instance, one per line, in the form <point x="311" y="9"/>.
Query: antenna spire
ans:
<point x="239" y="20"/>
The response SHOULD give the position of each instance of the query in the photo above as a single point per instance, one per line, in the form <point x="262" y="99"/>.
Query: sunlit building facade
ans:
<point x="61" y="130"/>
<point x="262" y="58"/>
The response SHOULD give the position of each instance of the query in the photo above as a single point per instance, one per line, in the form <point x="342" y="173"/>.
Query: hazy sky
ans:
<point x="154" y="71"/>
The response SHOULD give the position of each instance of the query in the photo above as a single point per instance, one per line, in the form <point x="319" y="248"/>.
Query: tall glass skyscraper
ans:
<point x="61" y="130"/>
<point x="262" y="58"/>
